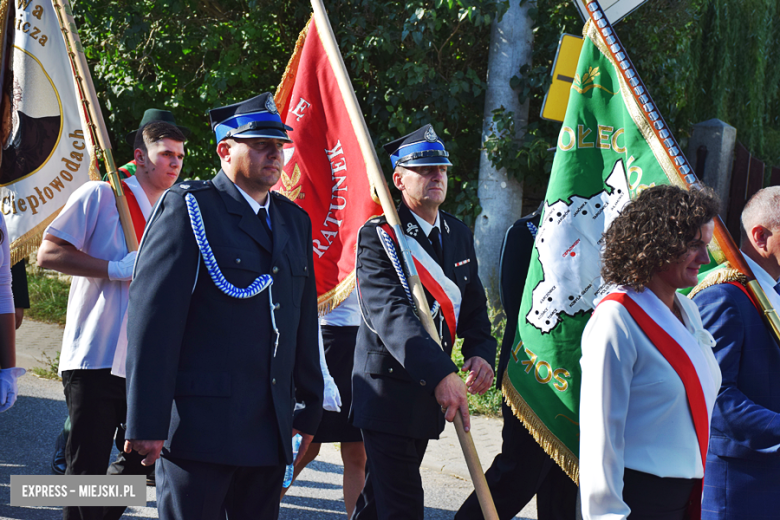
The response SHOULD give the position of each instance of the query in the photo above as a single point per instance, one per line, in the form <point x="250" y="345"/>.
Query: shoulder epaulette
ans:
<point x="282" y="199"/>
<point x="453" y="217"/>
<point x="191" y="186"/>
<point x="724" y="274"/>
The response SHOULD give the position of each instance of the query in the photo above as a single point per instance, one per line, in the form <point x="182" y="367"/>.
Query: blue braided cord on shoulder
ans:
<point x="261" y="283"/>
<point x="532" y="228"/>
<point x="196" y="220"/>
<point x="391" y="253"/>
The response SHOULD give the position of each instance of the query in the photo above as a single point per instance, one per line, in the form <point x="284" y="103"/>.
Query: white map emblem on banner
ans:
<point x="560" y="251"/>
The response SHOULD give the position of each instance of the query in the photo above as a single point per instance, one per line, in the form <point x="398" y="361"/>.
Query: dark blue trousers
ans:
<point x="193" y="490"/>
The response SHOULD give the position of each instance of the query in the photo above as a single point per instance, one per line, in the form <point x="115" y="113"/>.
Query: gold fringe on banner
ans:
<point x="26" y="244"/>
<point x="549" y="442"/>
<point x="288" y="78"/>
<point x="336" y="296"/>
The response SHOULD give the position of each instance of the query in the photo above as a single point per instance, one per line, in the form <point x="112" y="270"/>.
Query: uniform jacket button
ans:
<point x="275" y="270"/>
<point x="390" y="370"/>
<point x="277" y="305"/>
<point x="273" y="381"/>
<point x="422" y="382"/>
<point x="238" y="260"/>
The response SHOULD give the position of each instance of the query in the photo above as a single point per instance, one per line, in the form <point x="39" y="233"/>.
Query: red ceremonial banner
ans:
<point x="324" y="171"/>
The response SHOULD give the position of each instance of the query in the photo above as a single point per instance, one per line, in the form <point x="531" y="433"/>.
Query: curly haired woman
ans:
<point x="649" y="377"/>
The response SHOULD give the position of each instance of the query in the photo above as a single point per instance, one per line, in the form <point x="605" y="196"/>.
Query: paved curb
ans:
<point x="34" y="339"/>
<point x="446" y="455"/>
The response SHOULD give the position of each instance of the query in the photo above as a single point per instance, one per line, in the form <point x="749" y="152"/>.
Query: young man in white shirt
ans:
<point x="87" y="241"/>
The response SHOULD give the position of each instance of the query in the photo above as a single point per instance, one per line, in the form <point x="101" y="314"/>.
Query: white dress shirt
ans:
<point x="424" y="226"/>
<point x="766" y="282"/>
<point x="634" y="411"/>
<point x="97" y="307"/>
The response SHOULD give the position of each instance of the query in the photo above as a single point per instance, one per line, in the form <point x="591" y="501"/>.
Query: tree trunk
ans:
<point x="501" y="198"/>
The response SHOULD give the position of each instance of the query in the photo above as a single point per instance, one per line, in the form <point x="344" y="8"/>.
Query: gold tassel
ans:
<point x="542" y="435"/>
<point x="28" y="243"/>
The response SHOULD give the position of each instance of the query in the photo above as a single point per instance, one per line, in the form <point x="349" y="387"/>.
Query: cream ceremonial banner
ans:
<point x="46" y="154"/>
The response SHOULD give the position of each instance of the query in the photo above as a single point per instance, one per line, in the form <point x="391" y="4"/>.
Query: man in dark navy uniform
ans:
<point x="522" y="469"/>
<point x="404" y="384"/>
<point x="216" y="358"/>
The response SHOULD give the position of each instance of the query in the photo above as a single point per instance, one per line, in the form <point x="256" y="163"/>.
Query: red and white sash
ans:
<point x="678" y="358"/>
<point x="118" y="367"/>
<point x="443" y="290"/>
<point x="136" y="215"/>
<point x="139" y="221"/>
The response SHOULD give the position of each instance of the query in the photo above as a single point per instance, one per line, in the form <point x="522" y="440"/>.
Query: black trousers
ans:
<point x="97" y="406"/>
<point x="393" y="489"/>
<point x="656" y="498"/>
<point x="519" y="472"/>
<point x="194" y="490"/>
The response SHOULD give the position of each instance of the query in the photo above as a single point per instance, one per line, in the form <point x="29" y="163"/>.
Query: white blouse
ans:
<point x="634" y="411"/>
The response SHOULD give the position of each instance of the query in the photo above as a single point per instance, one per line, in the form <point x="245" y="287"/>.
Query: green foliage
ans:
<point x="186" y="56"/>
<point x="411" y="63"/>
<point x="48" y="295"/>
<point x="736" y="77"/>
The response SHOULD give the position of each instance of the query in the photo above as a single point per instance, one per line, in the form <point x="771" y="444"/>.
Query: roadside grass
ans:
<point x="50" y="368"/>
<point x="48" y="295"/>
<point x="490" y="403"/>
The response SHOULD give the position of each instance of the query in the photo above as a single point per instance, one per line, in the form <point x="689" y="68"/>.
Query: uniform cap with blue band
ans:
<point x="420" y="148"/>
<point x="255" y="117"/>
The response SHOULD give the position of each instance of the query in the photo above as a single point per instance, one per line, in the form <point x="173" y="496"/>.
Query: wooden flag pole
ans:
<point x="94" y="117"/>
<point x="378" y="182"/>
<point x="656" y="124"/>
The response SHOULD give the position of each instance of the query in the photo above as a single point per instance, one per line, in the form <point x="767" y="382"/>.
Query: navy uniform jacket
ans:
<point x="743" y="462"/>
<point x="397" y="364"/>
<point x="515" y="259"/>
<point x="201" y="370"/>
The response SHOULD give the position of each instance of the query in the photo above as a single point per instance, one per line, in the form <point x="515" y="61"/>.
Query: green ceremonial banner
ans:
<point x="607" y="152"/>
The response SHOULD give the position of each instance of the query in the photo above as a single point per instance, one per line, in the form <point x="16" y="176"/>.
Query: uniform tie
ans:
<point x="777" y="288"/>
<point x="436" y="243"/>
<point x="262" y="214"/>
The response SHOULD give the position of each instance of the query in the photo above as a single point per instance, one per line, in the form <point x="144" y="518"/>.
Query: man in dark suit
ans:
<point x="522" y="469"/>
<point x="216" y="357"/>
<point x="404" y="384"/>
<point x="743" y="463"/>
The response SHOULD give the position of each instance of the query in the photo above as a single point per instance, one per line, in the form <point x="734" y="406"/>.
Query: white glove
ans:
<point x="122" y="270"/>
<point x="331" y="399"/>
<point x="8" y="386"/>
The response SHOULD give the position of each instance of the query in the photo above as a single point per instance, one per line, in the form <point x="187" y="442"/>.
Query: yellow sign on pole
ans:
<point x="564" y="68"/>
